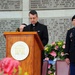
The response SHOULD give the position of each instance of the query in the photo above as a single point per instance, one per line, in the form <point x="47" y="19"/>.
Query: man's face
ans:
<point x="33" y="18"/>
<point x="73" y="22"/>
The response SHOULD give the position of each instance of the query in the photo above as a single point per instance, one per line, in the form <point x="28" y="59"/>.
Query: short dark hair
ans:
<point x="73" y="17"/>
<point x="33" y="12"/>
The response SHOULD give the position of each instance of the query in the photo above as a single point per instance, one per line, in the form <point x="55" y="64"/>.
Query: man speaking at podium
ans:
<point x="39" y="28"/>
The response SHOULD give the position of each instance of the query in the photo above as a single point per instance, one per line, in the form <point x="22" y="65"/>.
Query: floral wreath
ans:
<point x="53" y="52"/>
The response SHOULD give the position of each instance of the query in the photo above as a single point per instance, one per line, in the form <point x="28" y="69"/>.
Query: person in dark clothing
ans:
<point x="39" y="28"/>
<point x="70" y="48"/>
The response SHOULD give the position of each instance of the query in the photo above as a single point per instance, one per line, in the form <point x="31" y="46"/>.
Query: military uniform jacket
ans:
<point x="40" y="29"/>
<point x="70" y="45"/>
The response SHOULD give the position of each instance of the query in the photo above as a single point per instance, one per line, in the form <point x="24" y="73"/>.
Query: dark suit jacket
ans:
<point x="70" y="45"/>
<point x="41" y="30"/>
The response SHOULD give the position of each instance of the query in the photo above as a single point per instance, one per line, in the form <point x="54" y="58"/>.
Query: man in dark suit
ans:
<point x="38" y="27"/>
<point x="70" y="48"/>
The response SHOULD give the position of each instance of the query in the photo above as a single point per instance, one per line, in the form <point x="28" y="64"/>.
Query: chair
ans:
<point x="62" y="68"/>
<point x="45" y="68"/>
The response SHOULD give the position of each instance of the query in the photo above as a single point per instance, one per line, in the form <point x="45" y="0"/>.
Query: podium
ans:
<point x="32" y="63"/>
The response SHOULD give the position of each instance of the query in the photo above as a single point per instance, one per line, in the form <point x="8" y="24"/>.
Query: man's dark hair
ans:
<point x="73" y="17"/>
<point x="33" y="12"/>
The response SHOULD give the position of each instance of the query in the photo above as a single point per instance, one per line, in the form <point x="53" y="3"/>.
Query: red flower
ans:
<point x="8" y="64"/>
<point x="53" y="53"/>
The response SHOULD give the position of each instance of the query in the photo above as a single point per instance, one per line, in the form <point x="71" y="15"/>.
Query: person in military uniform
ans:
<point x="39" y="28"/>
<point x="70" y="48"/>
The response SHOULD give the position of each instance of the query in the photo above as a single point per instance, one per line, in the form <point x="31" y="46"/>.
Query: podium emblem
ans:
<point x="19" y="50"/>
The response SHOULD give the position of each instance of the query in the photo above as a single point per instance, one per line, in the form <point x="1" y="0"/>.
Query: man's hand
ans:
<point x="67" y="61"/>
